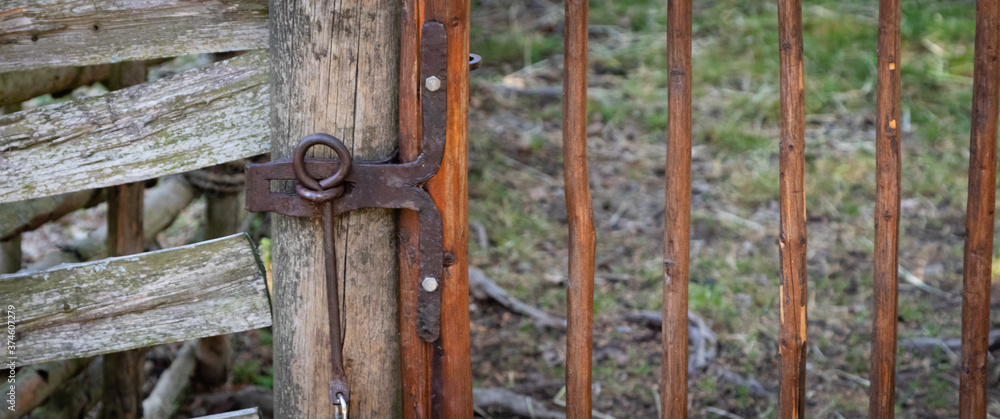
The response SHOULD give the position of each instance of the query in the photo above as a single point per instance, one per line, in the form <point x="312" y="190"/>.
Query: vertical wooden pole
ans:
<point x="123" y="371"/>
<point x="224" y="215"/>
<point x="980" y="211"/>
<point x="887" y="177"/>
<point x="580" y="213"/>
<point x="416" y="354"/>
<point x="335" y="70"/>
<point x="677" y="225"/>
<point x="451" y="379"/>
<point x="10" y="250"/>
<point x="792" y="240"/>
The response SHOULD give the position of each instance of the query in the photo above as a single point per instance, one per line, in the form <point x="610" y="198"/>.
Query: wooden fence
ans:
<point x="219" y="113"/>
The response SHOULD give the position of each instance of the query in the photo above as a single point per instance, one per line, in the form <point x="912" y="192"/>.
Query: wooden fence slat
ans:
<point x="580" y="214"/>
<point x="59" y="33"/>
<point x="887" y="176"/>
<point x="252" y="413"/>
<point x="677" y="216"/>
<point x="792" y="240"/>
<point x="979" y="218"/>
<point x="114" y="304"/>
<point x="199" y="118"/>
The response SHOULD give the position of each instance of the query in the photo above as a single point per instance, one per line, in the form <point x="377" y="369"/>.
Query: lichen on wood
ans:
<point x="59" y="33"/>
<point x="78" y="310"/>
<point x="195" y="119"/>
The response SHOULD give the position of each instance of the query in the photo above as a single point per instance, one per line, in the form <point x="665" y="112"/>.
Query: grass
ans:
<point x="515" y="191"/>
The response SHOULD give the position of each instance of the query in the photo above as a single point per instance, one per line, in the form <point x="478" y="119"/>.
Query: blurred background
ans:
<point x="518" y="222"/>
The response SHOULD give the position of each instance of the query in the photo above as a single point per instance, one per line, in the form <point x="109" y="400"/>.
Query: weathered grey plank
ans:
<point x="59" y="33"/>
<point x="252" y="413"/>
<point x="78" y="310"/>
<point x="198" y="118"/>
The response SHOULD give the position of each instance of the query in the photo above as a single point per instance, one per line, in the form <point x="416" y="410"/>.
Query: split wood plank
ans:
<point x="195" y="119"/>
<point x="58" y="33"/>
<point x="86" y="309"/>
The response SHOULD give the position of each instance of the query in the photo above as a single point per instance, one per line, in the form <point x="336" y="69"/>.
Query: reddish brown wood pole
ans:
<point x="415" y="354"/>
<point x="792" y="240"/>
<point x="677" y="224"/>
<point x="580" y="213"/>
<point x="451" y="381"/>
<point x="887" y="178"/>
<point x="979" y="213"/>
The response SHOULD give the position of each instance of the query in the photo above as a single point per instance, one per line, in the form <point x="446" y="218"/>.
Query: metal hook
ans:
<point x="343" y="406"/>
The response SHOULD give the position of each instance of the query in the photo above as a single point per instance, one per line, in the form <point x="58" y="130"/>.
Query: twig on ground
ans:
<point x="35" y="383"/>
<point x="171" y="383"/>
<point x="722" y="413"/>
<point x="919" y="283"/>
<point x="512" y="403"/>
<point x="700" y="336"/>
<point x="483" y="288"/>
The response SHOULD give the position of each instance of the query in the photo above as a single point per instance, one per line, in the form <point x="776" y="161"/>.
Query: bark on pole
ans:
<point x="334" y="70"/>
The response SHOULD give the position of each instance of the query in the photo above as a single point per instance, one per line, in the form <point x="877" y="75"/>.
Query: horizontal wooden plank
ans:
<point x="198" y="118"/>
<point x="78" y="310"/>
<point x="252" y="413"/>
<point x="59" y="33"/>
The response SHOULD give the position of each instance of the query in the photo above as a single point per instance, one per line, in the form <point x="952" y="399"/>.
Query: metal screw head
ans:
<point x="429" y="284"/>
<point x="433" y="83"/>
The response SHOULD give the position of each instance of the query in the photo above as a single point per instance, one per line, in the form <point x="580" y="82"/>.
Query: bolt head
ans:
<point x="433" y="83"/>
<point x="429" y="284"/>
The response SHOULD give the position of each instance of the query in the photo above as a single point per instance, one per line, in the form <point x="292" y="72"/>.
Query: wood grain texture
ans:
<point x="451" y="379"/>
<point x="335" y="70"/>
<point x="199" y="118"/>
<point x="792" y="239"/>
<point x="415" y="353"/>
<point x="252" y="413"/>
<point x="19" y="86"/>
<point x="114" y="304"/>
<point x="580" y="215"/>
<point x="979" y="217"/>
<point x="677" y="213"/>
<point x="887" y="200"/>
<point x="60" y="33"/>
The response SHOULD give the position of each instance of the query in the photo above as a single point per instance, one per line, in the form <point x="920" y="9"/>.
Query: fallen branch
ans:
<point x="77" y="397"/>
<point x="700" y="335"/>
<point x="18" y="217"/>
<point x="511" y="403"/>
<point x="483" y="288"/>
<point x="162" y="205"/>
<point x="245" y="398"/>
<point x="171" y="384"/>
<point x="37" y="382"/>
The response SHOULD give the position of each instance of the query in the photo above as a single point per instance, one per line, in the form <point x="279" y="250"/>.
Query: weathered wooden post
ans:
<point x="334" y="70"/>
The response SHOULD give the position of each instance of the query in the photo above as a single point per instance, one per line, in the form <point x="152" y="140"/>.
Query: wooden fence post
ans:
<point x="792" y="240"/>
<point x="979" y="217"/>
<point x="334" y="70"/>
<point x="123" y="371"/>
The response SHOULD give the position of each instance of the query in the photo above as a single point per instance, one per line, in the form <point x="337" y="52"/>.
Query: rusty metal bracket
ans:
<point x="347" y="185"/>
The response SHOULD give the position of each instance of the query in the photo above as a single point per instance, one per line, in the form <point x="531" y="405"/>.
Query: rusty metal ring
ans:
<point x="319" y="196"/>
<point x="299" y="166"/>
